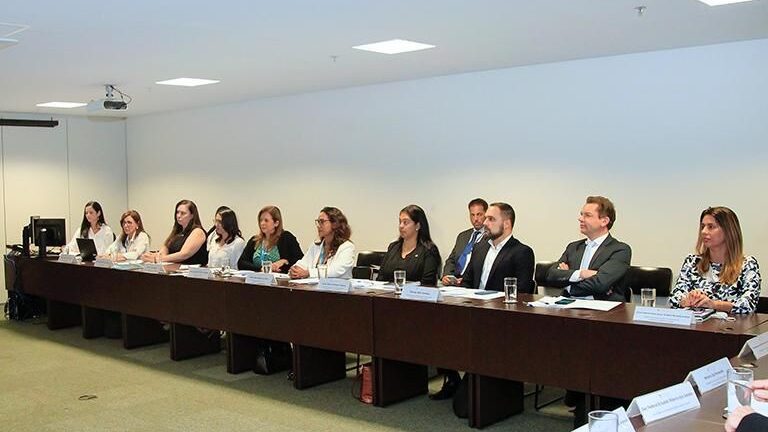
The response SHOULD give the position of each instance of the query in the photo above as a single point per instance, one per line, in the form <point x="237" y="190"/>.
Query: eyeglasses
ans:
<point x="319" y="222"/>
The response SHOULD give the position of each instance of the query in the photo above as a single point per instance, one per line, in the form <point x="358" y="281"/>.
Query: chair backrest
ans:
<point x="362" y="272"/>
<point x="649" y="277"/>
<point x="370" y="258"/>
<point x="540" y="272"/>
<point x="762" y="305"/>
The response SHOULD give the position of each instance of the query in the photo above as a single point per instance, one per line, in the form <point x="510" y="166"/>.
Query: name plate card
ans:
<point x="103" y="263"/>
<point x="624" y="424"/>
<point x="199" y="273"/>
<point x="664" y="316"/>
<point x="420" y="293"/>
<point x="334" y="285"/>
<point x="68" y="258"/>
<point x="711" y="376"/>
<point x="153" y="268"/>
<point x="664" y="403"/>
<point x="758" y="346"/>
<point x="260" y="279"/>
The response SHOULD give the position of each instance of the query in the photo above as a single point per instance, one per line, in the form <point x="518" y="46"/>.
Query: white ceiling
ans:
<point x="269" y="48"/>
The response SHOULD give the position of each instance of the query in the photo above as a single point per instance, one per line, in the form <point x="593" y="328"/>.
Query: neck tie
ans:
<point x="589" y="250"/>
<point x="462" y="261"/>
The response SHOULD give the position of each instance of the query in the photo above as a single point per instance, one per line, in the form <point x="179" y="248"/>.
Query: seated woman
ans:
<point x="228" y="243"/>
<point x="133" y="241"/>
<point x="333" y="249"/>
<point x="272" y="243"/>
<point x="211" y="235"/>
<point x="718" y="276"/>
<point x="93" y="227"/>
<point x="414" y="251"/>
<point x="186" y="242"/>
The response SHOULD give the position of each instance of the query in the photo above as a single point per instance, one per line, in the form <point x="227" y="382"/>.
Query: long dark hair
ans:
<point x="139" y="225"/>
<point x="177" y="228"/>
<point x="213" y="228"/>
<point x="277" y="217"/>
<point x="229" y="223"/>
<point x="341" y="230"/>
<point x="85" y="225"/>
<point x="418" y="216"/>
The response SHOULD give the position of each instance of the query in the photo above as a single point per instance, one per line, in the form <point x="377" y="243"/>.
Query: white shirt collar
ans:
<point x="501" y="243"/>
<point x="598" y="241"/>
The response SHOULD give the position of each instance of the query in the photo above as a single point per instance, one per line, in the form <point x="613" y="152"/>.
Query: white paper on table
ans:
<point x="306" y="281"/>
<point x="370" y="284"/>
<point x="600" y="305"/>
<point x="470" y="293"/>
<point x="187" y="266"/>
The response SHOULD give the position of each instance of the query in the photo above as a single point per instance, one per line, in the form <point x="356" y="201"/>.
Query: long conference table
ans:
<point x="498" y="345"/>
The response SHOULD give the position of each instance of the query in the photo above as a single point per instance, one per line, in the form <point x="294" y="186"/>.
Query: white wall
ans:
<point x="663" y="134"/>
<point x="53" y="172"/>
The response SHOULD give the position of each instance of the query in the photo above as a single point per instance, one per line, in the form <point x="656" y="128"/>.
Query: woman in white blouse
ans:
<point x="93" y="227"/>
<point x="333" y="249"/>
<point x="227" y="244"/>
<point x="133" y="241"/>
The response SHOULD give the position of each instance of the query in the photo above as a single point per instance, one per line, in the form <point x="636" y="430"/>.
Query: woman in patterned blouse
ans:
<point x="718" y="276"/>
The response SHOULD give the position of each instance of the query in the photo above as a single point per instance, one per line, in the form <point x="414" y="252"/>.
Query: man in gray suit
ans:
<point x="594" y="267"/>
<point x="459" y="257"/>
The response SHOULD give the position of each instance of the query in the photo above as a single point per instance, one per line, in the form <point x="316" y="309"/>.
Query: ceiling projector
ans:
<point x="110" y="102"/>
<point x="106" y="104"/>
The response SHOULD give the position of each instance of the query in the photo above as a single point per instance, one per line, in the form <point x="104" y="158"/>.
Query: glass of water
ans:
<point x="266" y="266"/>
<point x="739" y="391"/>
<point x="603" y="421"/>
<point x="322" y="271"/>
<point x="399" y="281"/>
<point x="648" y="297"/>
<point x="510" y="290"/>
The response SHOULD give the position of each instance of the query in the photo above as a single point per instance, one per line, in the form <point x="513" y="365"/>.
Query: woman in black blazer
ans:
<point x="271" y="244"/>
<point x="414" y="251"/>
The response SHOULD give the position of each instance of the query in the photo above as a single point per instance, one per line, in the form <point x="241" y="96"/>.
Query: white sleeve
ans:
<point x="114" y="247"/>
<point x="308" y="259"/>
<point x="103" y="241"/>
<point x="237" y="250"/>
<point x="72" y="245"/>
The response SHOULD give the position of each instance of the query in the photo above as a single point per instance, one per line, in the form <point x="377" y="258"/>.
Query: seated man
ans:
<point x="466" y="240"/>
<point x="593" y="269"/>
<point x="501" y="255"/>
<point x="493" y="259"/>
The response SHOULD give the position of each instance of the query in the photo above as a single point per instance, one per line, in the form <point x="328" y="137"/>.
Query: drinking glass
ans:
<point x="603" y="421"/>
<point x="266" y="267"/>
<point x="322" y="271"/>
<point x="510" y="290"/>
<point x="648" y="297"/>
<point x="399" y="281"/>
<point x="739" y="392"/>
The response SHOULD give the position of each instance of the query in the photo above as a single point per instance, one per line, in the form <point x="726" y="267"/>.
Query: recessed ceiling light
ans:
<point x="394" y="46"/>
<point x="61" y="105"/>
<point x="722" y="2"/>
<point x="187" y="82"/>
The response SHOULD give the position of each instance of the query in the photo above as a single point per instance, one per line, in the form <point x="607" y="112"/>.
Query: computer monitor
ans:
<point x="56" y="234"/>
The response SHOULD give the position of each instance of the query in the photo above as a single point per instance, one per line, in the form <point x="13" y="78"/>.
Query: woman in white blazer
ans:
<point x="93" y="227"/>
<point x="333" y="249"/>
<point x="133" y="241"/>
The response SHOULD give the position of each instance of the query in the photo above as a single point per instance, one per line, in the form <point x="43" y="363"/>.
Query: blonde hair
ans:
<point x="734" y="244"/>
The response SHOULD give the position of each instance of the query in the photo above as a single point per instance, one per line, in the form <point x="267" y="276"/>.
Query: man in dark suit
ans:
<point x="453" y="270"/>
<point x="593" y="268"/>
<point x="501" y="255"/>
<point x="458" y="259"/>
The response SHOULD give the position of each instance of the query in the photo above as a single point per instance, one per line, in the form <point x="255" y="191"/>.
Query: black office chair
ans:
<point x="762" y="305"/>
<point x="370" y="259"/>
<point x="362" y="272"/>
<point x="649" y="277"/>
